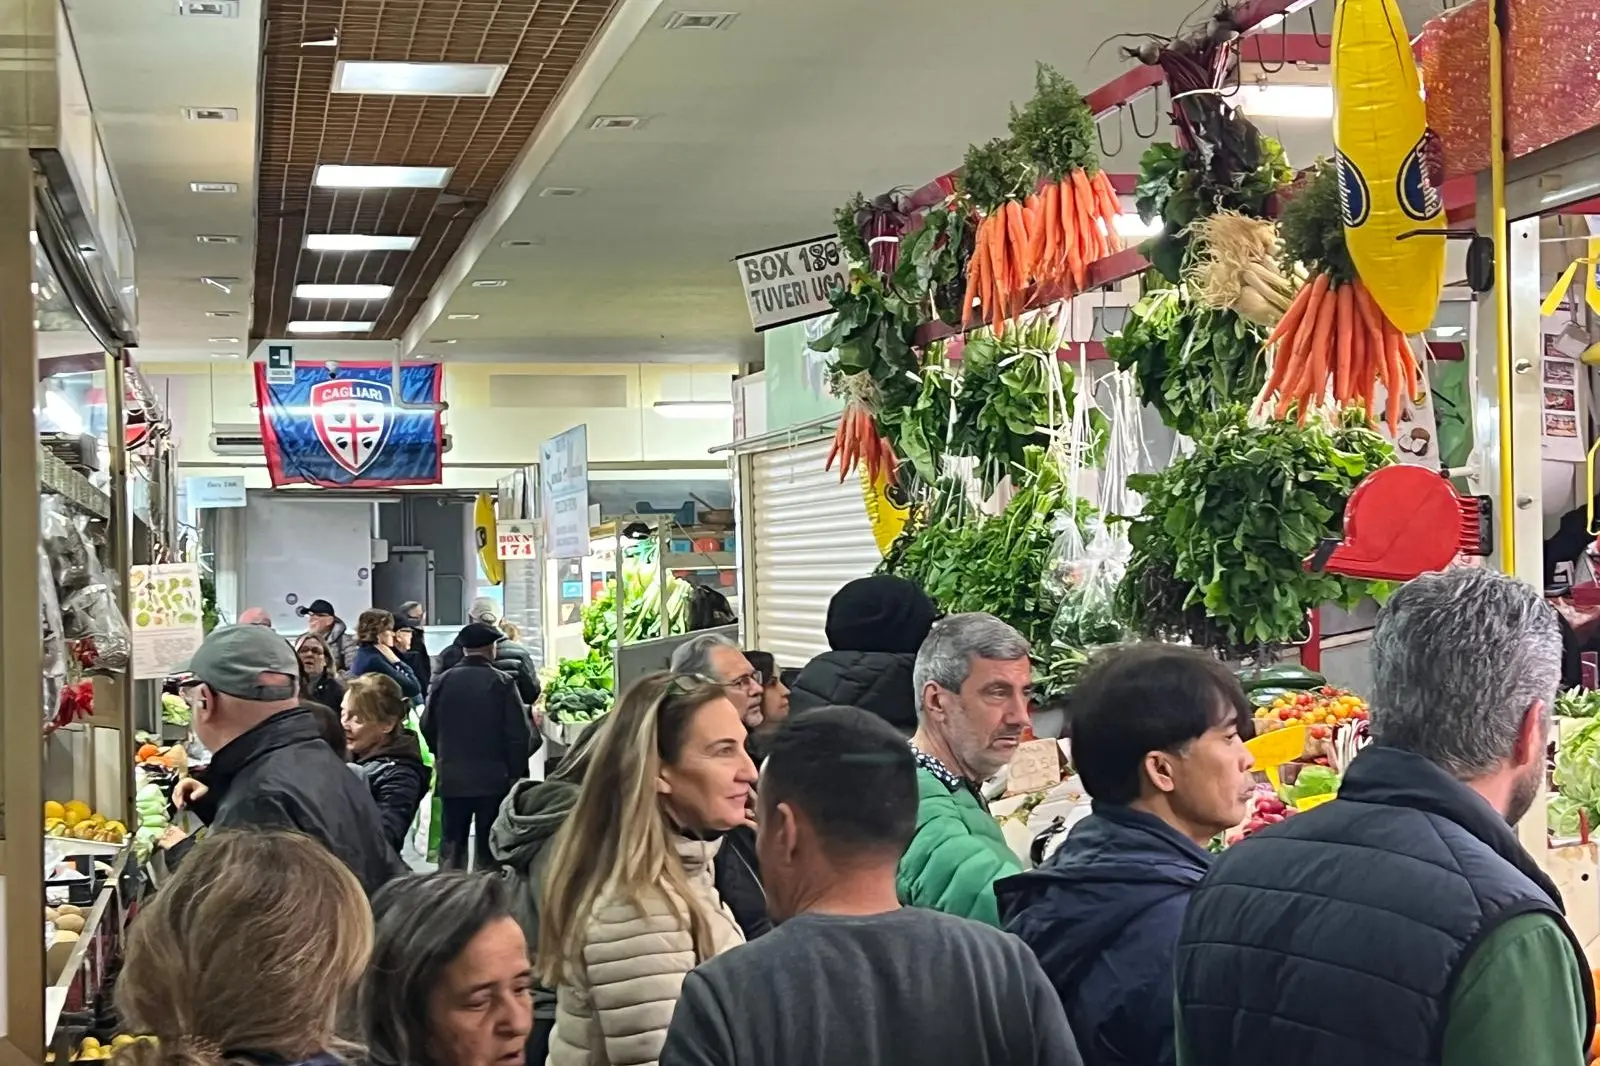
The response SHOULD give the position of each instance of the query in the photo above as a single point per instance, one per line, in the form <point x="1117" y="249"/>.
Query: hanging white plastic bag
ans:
<point x="52" y="646"/>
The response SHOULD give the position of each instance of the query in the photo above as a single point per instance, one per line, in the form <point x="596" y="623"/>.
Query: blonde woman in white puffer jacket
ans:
<point x="629" y="904"/>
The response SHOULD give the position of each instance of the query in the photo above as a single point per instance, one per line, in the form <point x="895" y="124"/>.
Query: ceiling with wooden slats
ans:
<point x="303" y="125"/>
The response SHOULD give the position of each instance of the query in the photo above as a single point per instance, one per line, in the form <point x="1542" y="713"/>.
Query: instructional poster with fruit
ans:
<point x="165" y="606"/>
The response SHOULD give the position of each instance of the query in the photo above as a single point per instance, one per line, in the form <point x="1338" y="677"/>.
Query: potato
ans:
<point x="69" y="923"/>
<point x="70" y="908"/>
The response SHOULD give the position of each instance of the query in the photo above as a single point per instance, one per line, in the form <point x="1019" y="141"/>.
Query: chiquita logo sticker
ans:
<point x="1418" y="197"/>
<point x="1355" y="199"/>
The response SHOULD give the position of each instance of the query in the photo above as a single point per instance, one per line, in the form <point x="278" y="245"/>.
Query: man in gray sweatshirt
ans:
<point x="849" y="977"/>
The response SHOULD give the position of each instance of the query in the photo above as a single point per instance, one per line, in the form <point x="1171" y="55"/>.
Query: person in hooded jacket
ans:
<point x="529" y="817"/>
<point x="1158" y="736"/>
<point x="388" y="754"/>
<point x="875" y="626"/>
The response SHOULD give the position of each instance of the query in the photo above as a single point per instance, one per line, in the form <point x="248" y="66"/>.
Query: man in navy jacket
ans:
<point x="1158" y="737"/>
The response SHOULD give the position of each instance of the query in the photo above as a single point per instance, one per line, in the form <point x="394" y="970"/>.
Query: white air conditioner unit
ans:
<point x="244" y="438"/>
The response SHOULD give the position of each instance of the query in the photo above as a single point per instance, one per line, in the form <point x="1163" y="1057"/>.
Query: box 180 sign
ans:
<point x="792" y="283"/>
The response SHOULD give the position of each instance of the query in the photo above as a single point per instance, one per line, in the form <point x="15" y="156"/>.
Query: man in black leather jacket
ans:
<point x="271" y="767"/>
<point x="875" y="626"/>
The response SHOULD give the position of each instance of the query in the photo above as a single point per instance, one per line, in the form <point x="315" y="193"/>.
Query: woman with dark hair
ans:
<point x="375" y="652"/>
<point x="388" y="754"/>
<point x="319" y="682"/>
<point x="450" y="982"/>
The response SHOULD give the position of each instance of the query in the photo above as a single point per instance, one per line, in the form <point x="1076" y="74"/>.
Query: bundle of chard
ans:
<point x="856" y="441"/>
<point x="1234" y="267"/>
<point x="1334" y="344"/>
<point x="1049" y="210"/>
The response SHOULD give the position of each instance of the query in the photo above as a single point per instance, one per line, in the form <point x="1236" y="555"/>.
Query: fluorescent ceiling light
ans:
<point x="358" y="242"/>
<point x="330" y="327"/>
<point x="417" y="79"/>
<point x="461" y="317"/>
<point x="340" y="176"/>
<point x="225" y="187"/>
<point x="1285" y="101"/>
<point x="1445" y="332"/>
<point x="343" y="292"/>
<point x="693" y="408"/>
<point x="1131" y="225"/>
<point x="1271" y="21"/>
<point x="489" y="283"/>
<point x="222" y="340"/>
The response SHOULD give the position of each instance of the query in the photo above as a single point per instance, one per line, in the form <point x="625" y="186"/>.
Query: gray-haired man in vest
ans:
<point x="1403" y="923"/>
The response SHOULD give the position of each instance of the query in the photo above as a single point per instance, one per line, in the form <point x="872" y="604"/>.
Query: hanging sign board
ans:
<point x="215" y="492"/>
<point x="517" y="538"/>
<point x="280" y="364"/>
<point x="791" y="283"/>
<point x="564" y="493"/>
<point x="164" y="607"/>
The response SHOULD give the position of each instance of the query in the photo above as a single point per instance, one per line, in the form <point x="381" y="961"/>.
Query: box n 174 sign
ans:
<point x="517" y="538"/>
<point x="792" y="283"/>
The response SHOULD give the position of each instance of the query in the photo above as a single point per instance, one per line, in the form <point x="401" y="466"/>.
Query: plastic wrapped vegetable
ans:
<point x="1067" y="563"/>
<point x="97" y="632"/>
<point x="53" y="647"/>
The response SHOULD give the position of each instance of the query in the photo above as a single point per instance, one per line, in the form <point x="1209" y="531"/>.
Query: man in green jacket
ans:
<point x="974" y="683"/>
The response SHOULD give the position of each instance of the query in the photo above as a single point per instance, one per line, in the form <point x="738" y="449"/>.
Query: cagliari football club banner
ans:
<point x="340" y="429"/>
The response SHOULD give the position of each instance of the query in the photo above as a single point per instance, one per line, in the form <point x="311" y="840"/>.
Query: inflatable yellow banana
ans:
<point x="1380" y="128"/>
<point x="885" y="510"/>
<point x="483" y="531"/>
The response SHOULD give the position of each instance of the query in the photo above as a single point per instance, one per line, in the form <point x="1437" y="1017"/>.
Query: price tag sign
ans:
<point x="517" y="539"/>
<point x="792" y="283"/>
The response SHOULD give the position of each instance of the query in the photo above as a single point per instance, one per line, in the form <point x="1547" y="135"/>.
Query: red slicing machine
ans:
<point x="1402" y="521"/>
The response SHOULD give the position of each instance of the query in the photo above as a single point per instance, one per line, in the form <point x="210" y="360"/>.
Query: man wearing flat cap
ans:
<point x="270" y="766"/>
<point x="479" y="732"/>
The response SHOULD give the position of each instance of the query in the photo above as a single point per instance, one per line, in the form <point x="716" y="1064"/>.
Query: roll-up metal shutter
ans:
<point x="809" y="535"/>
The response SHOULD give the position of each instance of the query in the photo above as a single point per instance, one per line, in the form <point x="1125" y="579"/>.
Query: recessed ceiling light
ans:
<point x="214" y="186"/>
<point x="358" y="242"/>
<point x="462" y="318"/>
<point x="615" y="122"/>
<point x="343" y="292"/>
<point x="224" y="355"/>
<point x="218" y="282"/>
<point x="306" y="326"/>
<point x="222" y="340"/>
<point x="489" y="283"/>
<point x="215" y="9"/>
<point x="560" y="190"/>
<point x="700" y="20"/>
<point x="211" y="114"/>
<point x="222" y="314"/>
<point x="521" y="242"/>
<point x="340" y="176"/>
<point x="216" y="238"/>
<point x="443" y="340"/>
<point x="417" y="79"/>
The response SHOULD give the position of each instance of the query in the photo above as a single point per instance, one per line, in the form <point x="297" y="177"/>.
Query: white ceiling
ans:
<point x="752" y="136"/>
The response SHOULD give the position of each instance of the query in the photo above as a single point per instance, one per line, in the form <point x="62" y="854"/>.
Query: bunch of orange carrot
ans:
<point x="1336" y="338"/>
<point x="1050" y="238"/>
<point x="857" y="441"/>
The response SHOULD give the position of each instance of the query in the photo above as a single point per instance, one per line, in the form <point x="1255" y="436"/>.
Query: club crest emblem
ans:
<point x="352" y="418"/>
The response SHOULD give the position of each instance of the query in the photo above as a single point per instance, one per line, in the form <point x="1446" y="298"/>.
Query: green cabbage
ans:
<point x="1577" y="776"/>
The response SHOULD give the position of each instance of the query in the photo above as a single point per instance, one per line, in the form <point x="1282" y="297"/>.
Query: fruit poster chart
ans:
<point x="164" y="602"/>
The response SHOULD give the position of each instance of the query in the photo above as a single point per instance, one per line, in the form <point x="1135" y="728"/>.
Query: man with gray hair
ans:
<point x="718" y="657"/>
<point x="1403" y="922"/>
<point x="974" y="683"/>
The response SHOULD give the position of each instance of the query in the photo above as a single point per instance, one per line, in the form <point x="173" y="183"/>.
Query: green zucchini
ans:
<point x="1284" y="675"/>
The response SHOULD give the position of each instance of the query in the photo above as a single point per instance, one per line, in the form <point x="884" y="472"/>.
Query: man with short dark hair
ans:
<point x="850" y="977"/>
<point x="270" y="766"/>
<point x="1156" y="740"/>
<point x="1404" y="922"/>
<point x="480" y="735"/>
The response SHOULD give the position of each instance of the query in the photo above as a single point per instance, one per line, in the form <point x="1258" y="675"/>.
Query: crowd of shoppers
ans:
<point x="662" y="897"/>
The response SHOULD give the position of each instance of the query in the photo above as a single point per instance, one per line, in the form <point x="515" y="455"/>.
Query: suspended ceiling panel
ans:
<point x="303" y="125"/>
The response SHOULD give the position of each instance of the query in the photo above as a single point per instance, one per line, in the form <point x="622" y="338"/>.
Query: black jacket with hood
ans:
<point x="397" y="779"/>
<point x="875" y="626"/>
<point x="529" y="817"/>
<point x="283" y="775"/>
<point x="1103" y="915"/>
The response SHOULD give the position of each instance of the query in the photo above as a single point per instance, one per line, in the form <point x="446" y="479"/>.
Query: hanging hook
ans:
<point x="1283" y="58"/>
<point x="1100" y="132"/>
<point x="1315" y="36"/>
<point x="1133" y="117"/>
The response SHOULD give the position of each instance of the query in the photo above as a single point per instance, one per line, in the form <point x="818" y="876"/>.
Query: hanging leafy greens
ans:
<point x="1176" y="188"/>
<point x="1055" y="130"/>
<point x="1189" y="359"/>
<point x="1234" y="523"/>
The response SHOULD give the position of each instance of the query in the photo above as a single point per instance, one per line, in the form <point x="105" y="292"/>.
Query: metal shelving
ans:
<point x="59" y="478"/>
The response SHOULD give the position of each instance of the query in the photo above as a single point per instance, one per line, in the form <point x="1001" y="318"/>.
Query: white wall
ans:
<point x="487" y="441"/>
<point x="306" y="548"/>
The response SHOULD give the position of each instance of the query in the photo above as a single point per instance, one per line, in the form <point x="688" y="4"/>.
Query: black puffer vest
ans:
<point x="1337" y="936"/>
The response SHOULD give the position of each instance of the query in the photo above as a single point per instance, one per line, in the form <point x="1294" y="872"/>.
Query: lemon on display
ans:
<point x="52" y="809"/>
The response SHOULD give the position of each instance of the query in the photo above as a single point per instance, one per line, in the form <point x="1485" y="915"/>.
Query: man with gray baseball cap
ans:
<point x="270" y="766"/>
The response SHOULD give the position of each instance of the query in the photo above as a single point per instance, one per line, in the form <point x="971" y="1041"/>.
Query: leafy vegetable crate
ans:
<point x="564" y="733"/>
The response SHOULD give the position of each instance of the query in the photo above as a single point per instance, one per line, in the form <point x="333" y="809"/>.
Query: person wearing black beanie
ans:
<point x="875" y="626"/>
